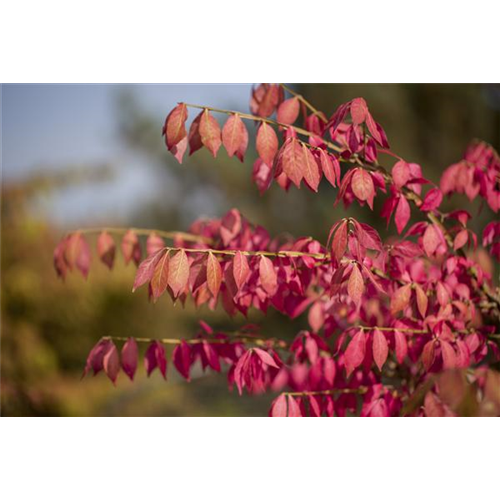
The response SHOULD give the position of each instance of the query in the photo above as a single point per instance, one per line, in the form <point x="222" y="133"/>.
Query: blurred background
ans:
<point x="89" y="155"/>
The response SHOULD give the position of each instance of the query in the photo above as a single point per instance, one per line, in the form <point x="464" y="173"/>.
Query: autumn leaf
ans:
<point x="268" y="276"/>
<point x="214" y="274"/>
<point x="235" y="136"/>
<point x="288" y="111"/>
<point x="146" y="269"/>
<point x="355" y="352"/>
<point x="400" y="299"/>
<point x="178" y="273"/>
<point x="266" y="143"/>
<point x="160" y="278"/>
<point x="241" y="269"/>
<point x="210" y="132"/>
<point x="310" y="169"/>
<point x="106" y="248"/>
<point x="355" y="285"/>
<point x="380" y="348"/>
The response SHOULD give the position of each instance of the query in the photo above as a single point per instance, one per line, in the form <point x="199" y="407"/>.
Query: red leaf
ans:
<point x="154" y="243"/>
<point x="355" y="285"/>
<point x="129" y="357"/>
<point x="241" y="270"/>
<point x="314" y="406"/>
<point x="155" y="358"/>
<point x="178" y="273"/>
<point x="428" y="354"/>
<point x="292" y="157"/>
<point x="214" y="274"/>
<point x="359" y="110"/>
<point x="77" y="253"/>
<point x="96" y="356"/>
<point x="380" y="348"/>
<point x="160" y="278"/>
<point x="146" y="270"/>
<point x="422" y="301"/>
<point x="131" y="247"/>
<point x="339" y="243"/>
<point x="448" y="354"/>
<point x="267" y="143"/>
<point x="295" y="417"/>
<point x="265" y="357"/>
<point x="355" y="352"/>
<point x="401" y="346"/>
<point x="210" y="132"/>
<point x="111" y="362"/>
<point x="174" y="128"/>
<point x="235" y="136"/>
<point x="182" y="359"/>
<point x="362" y="185"/>
<point x="432" y="200"/>
<point x="402" y="215"/>
<point x="330" y="167"/>
<point x="430" y="240"/>
<point x="194" y="137"/>
<point x="400" y="299"/>
<point x="268" y="276"/>
<point x="401" y="174"/>
<point x="310" y="169"/>
<point x="106" y="249"/>
<point x="461" y="239"/>
<point x="288" y="111"/>
<point x="278" y="407"/>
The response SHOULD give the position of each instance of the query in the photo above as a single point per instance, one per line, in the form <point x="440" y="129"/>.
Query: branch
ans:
<point x="239" y="337"/>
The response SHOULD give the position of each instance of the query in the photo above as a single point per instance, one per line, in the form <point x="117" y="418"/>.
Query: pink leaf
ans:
<point x="355" y="352"/>
<point x="400" y="173"/>
<point x="265" y="357"/>
<point x="155" y="358"/>
<point x="402" y="215"/>
<point x="461" y="239"/>
<point x="106" y="248"/>
<point x="111" y="362"/>
<point x="146" y="269"/>
<point x="362" y="185"/>
<point x="178" y="273"/>
<point x="241" y="269"/>
<point x="235" y="136"/>
<point x="182" y="359"/>
<point x="210" y="132"/>
<point x="432" y="200"/>
<point x="279" y="407"/>
<point x="160" y="278"/>
<point x="430" y="240"/>
<point x="268" y="276"/>
<point x="288" y="111"/>
<point x="310" y="169"/>
<point x="355" y="285"/>
<point x="292" y="158"/>
<point x="214" y="274"/>
<point x="129" y="357"/>
<point x="401" y="346"/>
<point x="380" y="348"/>
<point x="131" y="248"/>
<point x="448" y="354"/>
<point x="422" y="300"/>
<point x="267" y="143"/>
<point x="154" y="243"/>
<point x="400" y="299"/>
<point x="174" y="128"/>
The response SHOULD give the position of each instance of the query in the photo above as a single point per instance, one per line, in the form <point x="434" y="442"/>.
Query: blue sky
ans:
<point x="59" y="126"/>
